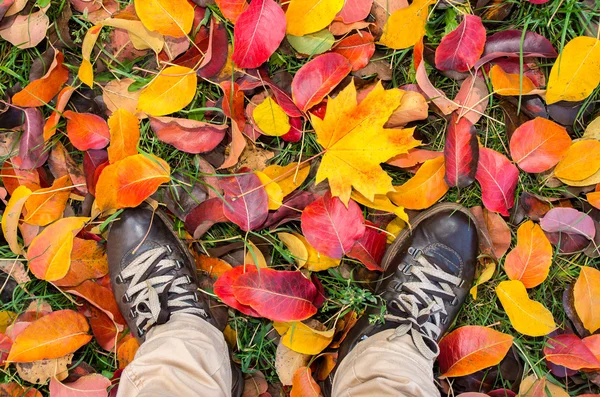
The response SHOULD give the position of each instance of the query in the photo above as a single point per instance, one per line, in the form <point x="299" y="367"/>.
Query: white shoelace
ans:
<point x="422" y="307"/>
<point x="157" y="296"/>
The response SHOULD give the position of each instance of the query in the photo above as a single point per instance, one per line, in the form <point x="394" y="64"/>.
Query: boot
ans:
<point x="428" y="274"/>
<point x="153" y="274"/>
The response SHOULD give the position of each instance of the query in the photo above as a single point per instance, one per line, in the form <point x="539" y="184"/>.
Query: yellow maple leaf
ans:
<point x="355" y="142"/>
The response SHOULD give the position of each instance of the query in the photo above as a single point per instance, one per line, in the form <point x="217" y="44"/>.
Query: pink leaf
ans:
<point x="473" y="96"/>
<point x="258" y="33"/>
<point x="461" y="152"/>
<point x="498" y="179"/>
<point x="568" y="220"/>
<point x="461" y="49"/>
<point x="436" y="96"/>
<point x="92" y="385"/>
<point x="355" y="10"/>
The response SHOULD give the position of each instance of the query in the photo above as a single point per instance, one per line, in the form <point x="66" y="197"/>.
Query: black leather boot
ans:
<point x="428" y="274"/>
<point x="153" y="274"/>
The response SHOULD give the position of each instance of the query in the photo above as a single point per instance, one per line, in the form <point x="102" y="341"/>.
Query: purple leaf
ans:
<point x="568" y="220"/>
<point x="291" y="210"/>
<point x="508" y="44"/>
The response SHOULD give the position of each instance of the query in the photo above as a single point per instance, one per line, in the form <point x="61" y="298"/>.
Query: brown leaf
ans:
<point x="40" y="372"/>
<point x="494" y="233"/>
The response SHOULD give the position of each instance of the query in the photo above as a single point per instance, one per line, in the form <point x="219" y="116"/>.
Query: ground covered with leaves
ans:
<point x="290" y="142"/>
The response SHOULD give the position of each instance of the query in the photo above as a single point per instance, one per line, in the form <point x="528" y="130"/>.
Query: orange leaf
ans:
<point x="130" y="181"/>
<point x="47" y="205"/>
<point x="303" y="384"/>
<point x="88" y="261"/>
<point x="13" y="176"/>
<point x="530" y="260"/>
<point x="213" y="266"/>
<point x="423" y="189"/>
<point x="52" y="336"/>
<point x="126" y="351"/>
<point x="86" y="130"/>
<point x="581" y="161"/>
<point x="61" y="103"/>
<point x="124" y="135"/>
<point x="586" y="294"/>
<point x="99" y="296"/>
<point x="50" y="251"/>
<point x="594" y="199"/>
<point x="510" y="84"/>
<point x="13" y="389"/>
<point x="41" y="91"/>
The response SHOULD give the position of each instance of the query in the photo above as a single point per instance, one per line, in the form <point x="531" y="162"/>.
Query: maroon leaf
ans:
<point x="257" y="78"/>
<point x="92" y="160"/>
<point x="291" y="210"/>
<point x="567" y="243"/>
<point x="219" y="50"/>
<point x="461" y="49"/>
<point x="258" y="33"/>
<point x="246" y="201"/>
<point x="276" y="295"/>
<point x="204" y="216"/>
<point x="189" y="136"/>
<point x="498" y="179"/>
<point x="502" y="393"/>
<point x="369" y="249"/>
<point x="31" y="146"/>
<point x="461" y="152"/>
<point x="330" y="227"/>
<point x="223" y="288"/>
<point x="570" y="352"/>
<point x="508" y="44"/>
<point x="317" y="78"/>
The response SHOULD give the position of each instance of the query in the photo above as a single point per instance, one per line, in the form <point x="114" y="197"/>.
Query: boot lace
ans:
<point x="154" y="292"/>
<point x="420" y="306"/>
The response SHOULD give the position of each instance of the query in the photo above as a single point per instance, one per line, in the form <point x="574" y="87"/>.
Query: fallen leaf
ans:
<point x="513" y="43"/>
<point x="303" y="384"/>
<point x="473" y="97"/>
<point x="45" y="206"/>
<point x="332" y="228"/>
<point x="413" y="107"/>
<point x="309" y="16"/>
<point x="215" y="267"/>
<point x="313" y="43"/>
<point x="297" y="246"/>
<point x="406" y="26"/>
<point x="530" y="261"/>
<point x="569" y="351"/>
<point x="255" y="384"/>
<point x="172" y="90"/>
<point x="511" y="84"/>
<point x="88" y="261"/>
<point x="232" y="9"/>
<point x="303" y="339"/>
<point x="168" y="17"/>
<point x="498" y="179"/>
<point x="52" y="336"/>
<point x="13" y="389"/>
<point x="15" y="269"/>
<point x="246" y="201"/>
<point x="49" y="253"/>
<point x="61" y="103"/>
<point x="355" y="10"/>
<point x="270" y="118"/>
<point x="86" y="130"/>
<point x="277" y="295"/>
<point x="39" y="92"/>
<point x="124" y="130"/>
<point x="370" y="248"/>
<point x="413" y="157"/>
<point x="116" y="95"/>
<point x="461" y="152"/>
<point x="41" y="371"/>
<point x="424" y="189"/>
<point x="460" y="49"/>
<point x="188" y="135"/>
<point x="32" y="150"/>
<point x="223" y="288"/>
<point x="27" y="31"/>
<point x="13" y="176"/>
<point x="483" y="275"/>
<point x="494" y="233"/>
<point x="539" y="144"/>
<point x="130" y="181"/>
<point x="576" y="73"/>
<point x="581" y="161"/>
<point x="381" y="203"/>
<point x="100" y="297"/>
<point x="315" y="79"/>
<point x="126" y="351"/>
<point x="257" y="33"/>
<point x="204" y="216"/>
<point x="272" y="189"/>
<point x="532" y="386"/>
<point x="349" y="128"/>
<point x="92" y="385"/>
<point x="471" y="348"/>
<point x="11" y="216"/>
<point x="586" y="294"/>
<point x="526" y="316"/>
<point x="254" y="256"/>
<point x="357" y="49"/>
<point x="570" y="221"/>
<point x="287" y="362"/>
<point x="289" y="177"/>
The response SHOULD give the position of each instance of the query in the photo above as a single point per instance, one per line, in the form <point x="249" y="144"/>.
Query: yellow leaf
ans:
<point x="576" y="73"/>
<point x="356" y="143"/>
<point x="290" y="177"/>
<point x="316" y="261"/>
<point x="586" y="294"/>
<point x="124" y="135"/>
<point x="296" y="247"/>
<point x="510" y="84"/>
<point x="86" y="72"/>
<point x="6" y="319"/>
<point x="302" y="339"/>
<point x="44" y="206"/>
<point x="425" y="188"/>
<point x="168" y="17"/>
<point x="394" y="228"/>
<point x="526" y="316"/>
<point x="172" y="90"/>
<point x="533" y="387"/>
<point x="581" y="161"/>
<point x="254" y="256"/>
<point x="592" y="131"/>
<point x="484" y="275"/>
<point x="271" y="119"/>
<point x="273" y="190"/>
<point x="309" y="16"/>
<point x="406" y="26"/>
<point x="152" y="40"/>
<point x="381" y="203"/>
<point x="10" y="218"/>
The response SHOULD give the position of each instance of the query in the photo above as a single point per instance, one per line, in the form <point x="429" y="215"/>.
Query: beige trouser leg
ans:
<point x="184" y="357"/>
<point x="377" y="367"/>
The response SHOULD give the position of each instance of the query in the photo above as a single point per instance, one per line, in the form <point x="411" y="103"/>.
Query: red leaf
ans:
<point x="473" y="96"/>
<point x="461" y="152"/>
<point x="5" y="345"/>
<point x="13" y="176"/>
<point x="355" y="10"/>
<point x="357" y="48"/>
<point x="258" y="78"/>
<point x="201" y="218"/>
<point x="471" y="348"/>
<point x="370" y="248"/>
<point x="218" y="49"/>
<point x="461" y="49"/>
<point x="94" y="160"/>
<point x="233" y="103"/>
<point x="276" y="295"/>
<point x="246" y="201"/>
<point x="295" y="132"/>
<point x="258" y="33"/>
<point x="330" y="227"/>
<point x="187" y="135"/>
<point x="498" y="179"/>
<point x="86" y="130"/>
<point x="570" y="351"/>
<point x="223" y="288"/>
<point x="317" y="78"/>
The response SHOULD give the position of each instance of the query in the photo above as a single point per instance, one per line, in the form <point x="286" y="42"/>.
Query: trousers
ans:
<point x="189" y="357"/>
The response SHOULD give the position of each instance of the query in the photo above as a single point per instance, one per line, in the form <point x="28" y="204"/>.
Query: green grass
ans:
<point x="557" y="20"/>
